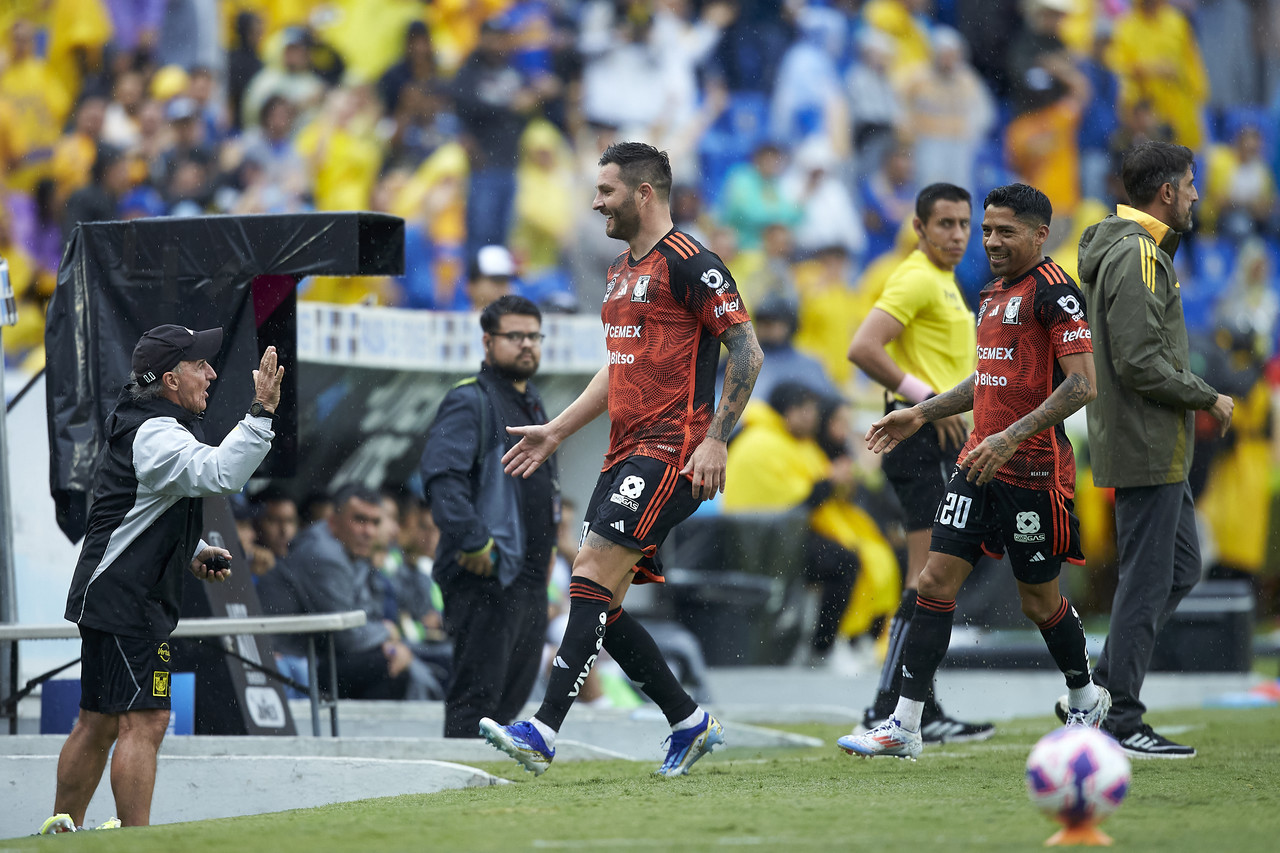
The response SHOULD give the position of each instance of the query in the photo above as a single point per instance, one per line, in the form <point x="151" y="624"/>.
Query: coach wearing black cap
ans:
<point x="144" y="532"/>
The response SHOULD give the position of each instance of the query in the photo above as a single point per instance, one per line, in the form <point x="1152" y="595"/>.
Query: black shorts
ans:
<point x="119" y="674"/>
<point x="635" y="504"/>
<point x="1035" y="526"/>
<point x="918" y="469"/>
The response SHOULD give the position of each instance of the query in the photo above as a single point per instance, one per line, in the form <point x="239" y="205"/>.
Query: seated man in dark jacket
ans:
<point x="328" y="571"/>
<point x="497" y="533"/>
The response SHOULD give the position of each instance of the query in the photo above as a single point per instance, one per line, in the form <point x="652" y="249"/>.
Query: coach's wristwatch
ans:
<point x="260" y="411"/>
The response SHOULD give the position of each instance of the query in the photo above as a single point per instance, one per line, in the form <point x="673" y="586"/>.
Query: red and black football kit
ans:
<point x="663" y="316"/>
<point x="1024" y="327"/>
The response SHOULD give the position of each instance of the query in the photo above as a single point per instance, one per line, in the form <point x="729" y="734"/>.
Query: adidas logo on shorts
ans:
<point x="619" y="526"/>
<point x="1038" y="558"/>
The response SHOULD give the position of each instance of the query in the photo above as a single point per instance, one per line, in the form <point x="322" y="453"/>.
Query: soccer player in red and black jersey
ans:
<point x="1012" y="487"/>
<point x="669" y="304"/>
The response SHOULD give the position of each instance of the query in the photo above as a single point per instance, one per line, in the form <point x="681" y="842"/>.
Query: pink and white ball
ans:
<point x="1077" y="775"/>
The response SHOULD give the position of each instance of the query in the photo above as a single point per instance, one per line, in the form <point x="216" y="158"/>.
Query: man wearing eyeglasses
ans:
<point x="496" y="532"/>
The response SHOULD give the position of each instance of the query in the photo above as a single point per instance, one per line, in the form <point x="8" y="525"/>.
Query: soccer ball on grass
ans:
<point x="1078" y="776"/>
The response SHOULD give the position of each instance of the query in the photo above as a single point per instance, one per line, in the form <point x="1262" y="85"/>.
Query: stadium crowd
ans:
<point x="800" y="133"/>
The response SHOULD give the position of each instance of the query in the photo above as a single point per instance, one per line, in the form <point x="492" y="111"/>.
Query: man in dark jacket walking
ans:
<point x="1140" y="425"/>
<point x="497" y="533"/>
<point x="144" y="532"/>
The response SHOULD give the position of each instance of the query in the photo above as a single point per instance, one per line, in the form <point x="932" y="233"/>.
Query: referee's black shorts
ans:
<point x="119" y="674"/>
<point x="918" y="469"/>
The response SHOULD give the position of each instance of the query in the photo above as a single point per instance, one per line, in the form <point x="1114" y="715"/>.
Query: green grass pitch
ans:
<point x="956" y="798"/>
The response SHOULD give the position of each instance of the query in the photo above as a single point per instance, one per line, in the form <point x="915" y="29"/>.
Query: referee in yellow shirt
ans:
<point x="920" y="339"/>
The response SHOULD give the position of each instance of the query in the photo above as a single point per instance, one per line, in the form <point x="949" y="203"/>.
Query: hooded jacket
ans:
<point x="471" y="497"/>
<point x="147" y="514"/>
<point x="1141" y="424"/>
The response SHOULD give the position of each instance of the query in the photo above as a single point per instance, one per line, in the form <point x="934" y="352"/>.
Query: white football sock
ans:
<point x="548" y="733"/>
<point x="908" y="713"/>
<point x="1082" y="698"/>
<point x="694" y="719"/>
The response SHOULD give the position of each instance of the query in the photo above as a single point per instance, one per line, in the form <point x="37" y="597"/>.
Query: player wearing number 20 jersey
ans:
<point x="1024" y="326"/>
<point x="662" y="317"/>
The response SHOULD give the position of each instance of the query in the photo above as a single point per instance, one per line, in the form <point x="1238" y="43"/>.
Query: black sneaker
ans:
<point x="937" y="727"/>
<point x="1144" y="742"/>
<point x="871" y="717"/>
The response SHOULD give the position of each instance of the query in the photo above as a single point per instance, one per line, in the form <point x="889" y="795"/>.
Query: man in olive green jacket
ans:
<point x="1140" y="425"/>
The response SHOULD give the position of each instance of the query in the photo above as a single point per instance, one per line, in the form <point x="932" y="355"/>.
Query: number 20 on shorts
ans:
<point x="955" y="510"/>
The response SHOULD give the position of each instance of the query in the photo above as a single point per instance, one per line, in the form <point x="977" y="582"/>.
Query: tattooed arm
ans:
<point x="1078" y="388"/>
<point x="958" y="399"/>
<point x="706" y="465"/>
<point x="897" y="426"/>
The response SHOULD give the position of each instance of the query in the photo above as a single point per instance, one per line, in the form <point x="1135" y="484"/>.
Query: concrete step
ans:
<point x="193" y="787"/>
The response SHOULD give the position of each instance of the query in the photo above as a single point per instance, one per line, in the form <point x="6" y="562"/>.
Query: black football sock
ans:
<point x="628" y="643"/>
<point x="583" y="639"/>
<point x="926" y="646"/>
<point x="891" y="673"/>
<point x="1064" y="635"/>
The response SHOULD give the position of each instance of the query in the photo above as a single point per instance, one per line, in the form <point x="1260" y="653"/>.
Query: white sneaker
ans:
<point x="1091" y="717"/>
<point x="888" y="738"/>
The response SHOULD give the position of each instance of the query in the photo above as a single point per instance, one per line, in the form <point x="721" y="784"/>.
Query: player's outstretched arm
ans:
<point x="706" y="466"/>
<point x="896" y="427"/>
<point x="1078" y="388"/>
<point x="539" y="441"/>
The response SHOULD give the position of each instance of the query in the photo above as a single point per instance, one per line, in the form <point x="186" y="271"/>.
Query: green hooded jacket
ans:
<point x="1141" y="424"/>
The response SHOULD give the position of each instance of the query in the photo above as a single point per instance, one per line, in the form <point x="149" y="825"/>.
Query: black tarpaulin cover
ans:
<point x="119" y="279"/>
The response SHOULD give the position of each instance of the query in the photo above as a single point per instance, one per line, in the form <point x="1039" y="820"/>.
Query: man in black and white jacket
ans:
<point x="144" y="531"/>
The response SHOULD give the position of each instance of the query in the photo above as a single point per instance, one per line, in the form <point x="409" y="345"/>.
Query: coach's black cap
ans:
<point x="159" y="350"/>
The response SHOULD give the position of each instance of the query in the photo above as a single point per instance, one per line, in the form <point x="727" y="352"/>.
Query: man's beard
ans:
<point x="626" y="228"/>
<point x="516" y="372"/>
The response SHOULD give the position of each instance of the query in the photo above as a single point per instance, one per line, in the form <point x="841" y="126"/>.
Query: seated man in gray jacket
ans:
<point x="327" y="571"/>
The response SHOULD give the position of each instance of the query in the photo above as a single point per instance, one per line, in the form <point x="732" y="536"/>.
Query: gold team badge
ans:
<point x="159" y="683"/>
<point x="163" y="652"/>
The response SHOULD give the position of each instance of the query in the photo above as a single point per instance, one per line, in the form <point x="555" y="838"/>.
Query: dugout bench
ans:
<point x="311" y="625"/>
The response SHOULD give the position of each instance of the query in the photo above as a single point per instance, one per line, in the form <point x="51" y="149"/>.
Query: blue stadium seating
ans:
<point x="740" y="128"/>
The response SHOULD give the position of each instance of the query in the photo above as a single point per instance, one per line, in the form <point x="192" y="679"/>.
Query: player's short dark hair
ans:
<point x="1027" y="203"/>
<point x="359" y="491"/>
<point x="639" y="163"/>
<point x="1150" y="165"/>
<point x="786" y="396"/>
<point x="491" y="316"/>
<point x="934" y="193"/>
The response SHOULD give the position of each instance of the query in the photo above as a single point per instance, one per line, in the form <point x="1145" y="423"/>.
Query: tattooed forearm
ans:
<point x="1074" y="392"/>
<point x="745" y="359"/>
<point x="958" y="399"/>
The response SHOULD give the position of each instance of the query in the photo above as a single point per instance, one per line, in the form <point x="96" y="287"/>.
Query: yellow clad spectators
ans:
<point x="32" y="288"/>
<point x="1239" y="192"/>
<point x="369" y="33"/>
<point x="455" y="28"/>
<point x="828" y="311"/>
<point x="546" y="206"/>
<point x="1236" y="503"/>
<point x="39" y="104"/>
<point x="74" y="153"/>
<point x="897" y="19"/>
<point x="341" y="151"/>
<point x="78" y="31"/>
<point x="1155" y="55"/>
